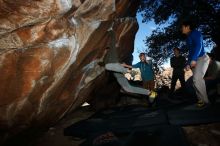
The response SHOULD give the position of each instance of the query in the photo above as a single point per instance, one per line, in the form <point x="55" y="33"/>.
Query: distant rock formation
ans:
<point x="50" y="52"/>
<point x="164" y="77"/>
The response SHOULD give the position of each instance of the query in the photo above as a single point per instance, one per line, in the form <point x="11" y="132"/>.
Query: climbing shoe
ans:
<point x="152" y="96"/>
<point x="200" y="104"/>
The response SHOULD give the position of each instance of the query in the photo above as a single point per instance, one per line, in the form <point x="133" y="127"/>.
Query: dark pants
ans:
<point x="211" y="84"/>
<point x="177" y="75"/>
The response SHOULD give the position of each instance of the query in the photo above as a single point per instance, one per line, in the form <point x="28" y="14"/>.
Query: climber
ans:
<point x="112" y="64"/>
<point x="119" y="71"/>
<point x="147" y="73"/>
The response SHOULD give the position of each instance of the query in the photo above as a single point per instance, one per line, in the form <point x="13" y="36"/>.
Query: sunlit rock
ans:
<point x="50" y="52"/>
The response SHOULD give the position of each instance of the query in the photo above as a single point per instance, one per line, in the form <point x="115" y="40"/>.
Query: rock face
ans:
<point x="50" y="52"/>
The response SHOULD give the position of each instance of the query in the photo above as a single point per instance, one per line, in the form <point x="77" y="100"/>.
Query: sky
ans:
<point x="145" y="29"/>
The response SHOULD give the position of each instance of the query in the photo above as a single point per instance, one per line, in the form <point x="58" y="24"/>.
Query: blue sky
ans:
<point x="145" y="29"/>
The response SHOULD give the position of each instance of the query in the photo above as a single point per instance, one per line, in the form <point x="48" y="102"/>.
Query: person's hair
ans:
<point x="176" y="48"/>
<point x="189" y="23"/>
<point x="141" y="54"/>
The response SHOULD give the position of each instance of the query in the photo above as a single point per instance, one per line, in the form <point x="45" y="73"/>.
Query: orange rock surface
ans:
<point x="49" y="54"/>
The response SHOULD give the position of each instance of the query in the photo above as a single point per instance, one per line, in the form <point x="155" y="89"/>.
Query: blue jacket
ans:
<point x="146" y="70"/>
<point x="195" y="46"/>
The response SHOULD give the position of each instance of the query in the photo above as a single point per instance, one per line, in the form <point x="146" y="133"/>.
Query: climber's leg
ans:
<point x="116" y="67"/>
<point x="127" y="87"/>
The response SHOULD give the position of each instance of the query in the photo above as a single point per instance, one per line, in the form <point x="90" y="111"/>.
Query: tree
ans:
<point x="204" y="13"/>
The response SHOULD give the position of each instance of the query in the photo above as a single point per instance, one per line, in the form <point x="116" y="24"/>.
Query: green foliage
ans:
<point x="204" y="13"/>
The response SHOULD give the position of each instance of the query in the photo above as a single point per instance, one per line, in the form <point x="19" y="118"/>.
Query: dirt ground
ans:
<point x="203" y="135"/>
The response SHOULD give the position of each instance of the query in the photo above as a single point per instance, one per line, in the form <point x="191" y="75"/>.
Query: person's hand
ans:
<point x="193" y="64"/>
<point x="187" y="67"/>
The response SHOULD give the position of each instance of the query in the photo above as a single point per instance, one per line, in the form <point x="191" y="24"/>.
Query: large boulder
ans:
<point x="50" y="52"/>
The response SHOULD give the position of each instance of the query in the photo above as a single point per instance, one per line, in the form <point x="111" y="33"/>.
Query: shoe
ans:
<point x="152" y="96"/>
<point x="200" y="104"/>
